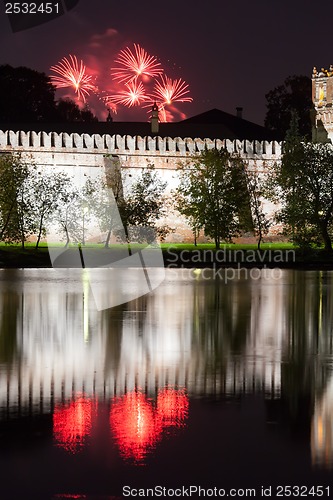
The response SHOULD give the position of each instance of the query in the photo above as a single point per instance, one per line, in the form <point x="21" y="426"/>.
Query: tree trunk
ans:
<point x="40" y="232"/>
<point x="7" y="220"/>
<point x="22" y="236"/>
<point x="128" y="240"/>
<point x="326" y="237"/>
<point x="107" y="241"/>
<point x="259" y="240"/>
<point x="67" y="236"/>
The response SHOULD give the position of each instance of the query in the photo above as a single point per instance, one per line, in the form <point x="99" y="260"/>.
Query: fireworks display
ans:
<point x="137" y="79"/>
<point x="134" y="64"/>
<point x="168" y="91"/>
<point x="71" y="73"/>
<point x="132" y="95"/>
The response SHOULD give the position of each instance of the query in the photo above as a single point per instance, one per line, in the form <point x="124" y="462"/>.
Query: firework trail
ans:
<point x="134" y="64"/>
<point x="162" y="113"/>
<point x="71" y="73"/>
<point x="133" y="95"/>
<point x="168" y="91"/>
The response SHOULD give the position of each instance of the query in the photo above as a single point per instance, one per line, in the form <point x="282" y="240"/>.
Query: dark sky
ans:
<point x="230" y="53"/>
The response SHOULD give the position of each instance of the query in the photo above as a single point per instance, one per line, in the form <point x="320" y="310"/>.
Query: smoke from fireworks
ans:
<point x="71" y="73"/>
<point x="134" y="64"/>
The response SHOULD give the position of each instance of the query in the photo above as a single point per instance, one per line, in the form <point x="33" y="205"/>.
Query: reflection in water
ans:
<point x="322" y="429"/>
<point x="138" y="424"/>
<point x="72" y="423"/>
<point x="9" y="319"/>
<point x="172" y="407"/>
<point x="136" y="428"/>
<point x="268" y="336"/>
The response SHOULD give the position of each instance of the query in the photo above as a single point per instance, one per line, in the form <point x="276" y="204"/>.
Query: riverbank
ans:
<point x="176" y="256"/>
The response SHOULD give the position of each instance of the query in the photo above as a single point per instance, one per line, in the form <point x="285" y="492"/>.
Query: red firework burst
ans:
<point x="133" y="95"/>
<point x="133" y="64"/>
<point x="168" y="91"/>
<point x="72" y="73"/>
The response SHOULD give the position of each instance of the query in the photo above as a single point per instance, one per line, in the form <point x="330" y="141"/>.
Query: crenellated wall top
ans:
<point x="131" y="145"/>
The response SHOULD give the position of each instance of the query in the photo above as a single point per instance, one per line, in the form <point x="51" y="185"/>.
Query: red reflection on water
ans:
<point x="134" y="423"/>
<point x="138" y="425"/>
<point x="72" y="423"/>
<point x="172" y="407"/>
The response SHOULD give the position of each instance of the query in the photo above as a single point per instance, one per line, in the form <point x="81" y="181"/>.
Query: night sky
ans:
<point x="230" y="53"/>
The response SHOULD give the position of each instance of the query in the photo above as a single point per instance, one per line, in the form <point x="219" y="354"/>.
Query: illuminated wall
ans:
<point x="85" y="155"/>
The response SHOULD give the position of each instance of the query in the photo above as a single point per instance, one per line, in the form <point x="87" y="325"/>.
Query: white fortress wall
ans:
<point x="84" y="155"/>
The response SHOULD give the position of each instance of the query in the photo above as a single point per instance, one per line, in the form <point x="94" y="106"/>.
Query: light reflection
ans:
<point x="72" y="423"/>
<point x="138" y="424"/>
<point x="172" y="407"/>
<point x="134" y="423"/>
<point x="322" y="429"/>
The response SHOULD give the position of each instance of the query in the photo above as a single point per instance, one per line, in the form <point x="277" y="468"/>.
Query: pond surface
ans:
<point x="205" y="382"/>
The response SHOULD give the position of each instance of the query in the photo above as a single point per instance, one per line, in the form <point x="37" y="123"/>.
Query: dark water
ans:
<point x="203" y="383"/>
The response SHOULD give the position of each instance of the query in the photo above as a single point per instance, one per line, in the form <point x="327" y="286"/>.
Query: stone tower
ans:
<point x="322" y="98"/>
<point x="154" y="119"/>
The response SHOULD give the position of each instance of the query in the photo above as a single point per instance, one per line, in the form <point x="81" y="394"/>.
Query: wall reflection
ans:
<point x="267" y="335"/>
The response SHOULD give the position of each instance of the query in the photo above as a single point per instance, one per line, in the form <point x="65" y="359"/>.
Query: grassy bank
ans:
<point x="282" y="255"/>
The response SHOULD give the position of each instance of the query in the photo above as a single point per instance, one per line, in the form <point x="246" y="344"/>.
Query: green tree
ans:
<point x="66" y="215"/>
<point x="49" y="192"/>
<point x="132" y="210"/>
<point x="185" y="207"/>
<point x="74" y="208"/>
<point x="106" y="209"/>
<point x="143" y="205"/>
<point x="293" y="94"/>
<point x="303" y="183"/>
<point x="256" y="189"/>
<point x="213" y="194"/>
<point x="17" y="221"/>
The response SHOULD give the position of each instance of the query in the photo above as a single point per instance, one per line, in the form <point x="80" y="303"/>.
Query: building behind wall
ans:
<point x="322" y="98"/>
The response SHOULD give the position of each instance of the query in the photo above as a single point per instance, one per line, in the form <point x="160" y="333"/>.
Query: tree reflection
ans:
<point x="308" y="319"/>
<point x="10" y="308"/>
<point x="221" y="321"/>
